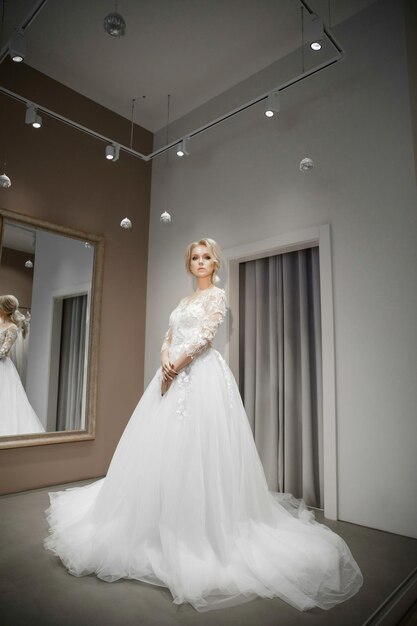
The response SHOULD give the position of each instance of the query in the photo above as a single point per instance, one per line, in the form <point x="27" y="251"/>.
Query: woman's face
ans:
<point x="201" y="263"/>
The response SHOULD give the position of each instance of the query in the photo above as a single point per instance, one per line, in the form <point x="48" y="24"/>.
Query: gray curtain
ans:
<point x="281" y="369"/>
<point x="71" y="363"/>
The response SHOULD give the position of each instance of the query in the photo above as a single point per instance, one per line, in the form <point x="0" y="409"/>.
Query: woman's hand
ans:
<point x="169" y="372"/>
<point x="165" y="385"/>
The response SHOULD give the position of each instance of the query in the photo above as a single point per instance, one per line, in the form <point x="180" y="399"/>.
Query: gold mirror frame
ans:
<point x="40" y="439"/>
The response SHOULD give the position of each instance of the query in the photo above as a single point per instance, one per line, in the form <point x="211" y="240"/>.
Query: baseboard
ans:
<point x="396" y="605"/>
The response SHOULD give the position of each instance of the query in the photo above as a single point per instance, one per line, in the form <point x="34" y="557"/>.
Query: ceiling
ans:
<point x="191" y="49"/>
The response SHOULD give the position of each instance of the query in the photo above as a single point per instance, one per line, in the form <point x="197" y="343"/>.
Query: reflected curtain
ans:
<point x="72" y="363"/>
<point x="281" y="369"/>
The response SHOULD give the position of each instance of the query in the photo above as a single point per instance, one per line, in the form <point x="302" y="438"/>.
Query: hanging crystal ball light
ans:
<point x="165" y="218"/>
<point x="306" y="164"/>
<point x="126" y="224"/>
<point x="5" y="181"/>
<point x="29" y="264"/>
<point x="114" y="25"/>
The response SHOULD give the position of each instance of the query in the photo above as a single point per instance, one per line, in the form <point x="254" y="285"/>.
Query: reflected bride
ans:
<point x="16" y="414"/>
<point x="185" y="503"/>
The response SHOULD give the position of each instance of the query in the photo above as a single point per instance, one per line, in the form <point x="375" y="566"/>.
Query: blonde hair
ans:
<point x="214" y="251"/>
<point x="10" y="306"/>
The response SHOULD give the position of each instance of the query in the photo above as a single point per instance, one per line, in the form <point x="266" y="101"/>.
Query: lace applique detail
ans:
<point x="227" y="378"/>
<point x="183" y="382"/>
<point x="10" y="336"/>
<point x="210" y="309"/>
<point x="194" y="323"/>
<point x="167" y="340"/>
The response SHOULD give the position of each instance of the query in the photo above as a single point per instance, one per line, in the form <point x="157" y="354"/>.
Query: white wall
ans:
<point x="61" y="264"/>
<point x="242" y="183"/>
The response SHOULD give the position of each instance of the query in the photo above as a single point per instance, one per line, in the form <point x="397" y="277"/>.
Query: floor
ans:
<point x="36" y="589"/>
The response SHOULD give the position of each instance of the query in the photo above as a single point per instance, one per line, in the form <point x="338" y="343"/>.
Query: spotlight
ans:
<point x="17" y="46"/>
<point x="112" y="152"/>
<point x="272" y="104"/>
<point x="183" y="147"/>
<point x="315" y="32"/>
<point x="32" y="116"/>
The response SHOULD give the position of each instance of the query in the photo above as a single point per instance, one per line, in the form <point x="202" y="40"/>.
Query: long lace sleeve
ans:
<point x="9" y="339"/>
<point x="167" y="340"/>
<point x="213" y="313"/>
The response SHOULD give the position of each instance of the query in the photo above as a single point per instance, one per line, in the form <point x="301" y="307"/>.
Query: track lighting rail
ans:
<point x="27" y="21"/>
<point x="340" y="54"/>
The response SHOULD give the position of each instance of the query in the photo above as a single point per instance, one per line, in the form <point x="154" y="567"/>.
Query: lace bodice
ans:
<point x="7" y="338"/>
<point x="194" y="322"/>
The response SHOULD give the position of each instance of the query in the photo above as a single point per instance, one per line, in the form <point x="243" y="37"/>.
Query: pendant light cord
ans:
<point x="131" y="123"/>
<point x="3" y="6"/>
<point x="167" y="128"/>
<point x="2" y="23"/>
<point x="302" y="39"/>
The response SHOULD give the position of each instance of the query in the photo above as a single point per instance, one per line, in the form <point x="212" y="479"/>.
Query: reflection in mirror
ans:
<point x="44" y="343"/>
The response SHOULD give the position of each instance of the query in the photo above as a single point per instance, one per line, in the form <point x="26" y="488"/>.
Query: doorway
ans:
<point x="321" y="237"/>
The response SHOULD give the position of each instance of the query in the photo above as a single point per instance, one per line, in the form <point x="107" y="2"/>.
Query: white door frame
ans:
<point x="317" y="236"/>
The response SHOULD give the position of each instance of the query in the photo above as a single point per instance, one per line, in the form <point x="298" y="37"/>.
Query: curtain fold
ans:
<point x="72" y="363"/>
<point x="281" y="370"/>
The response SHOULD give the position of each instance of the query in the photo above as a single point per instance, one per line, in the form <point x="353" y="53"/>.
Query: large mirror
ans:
<point x="49" y="344"/>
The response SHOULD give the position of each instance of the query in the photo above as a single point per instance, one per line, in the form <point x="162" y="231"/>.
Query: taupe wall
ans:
<point x="15" y="278"/>
<point x="60" y="175"/>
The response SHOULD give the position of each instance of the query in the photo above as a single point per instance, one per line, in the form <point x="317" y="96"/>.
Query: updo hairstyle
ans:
<point x="214" y="250"/>
<point x="10" y="306"/>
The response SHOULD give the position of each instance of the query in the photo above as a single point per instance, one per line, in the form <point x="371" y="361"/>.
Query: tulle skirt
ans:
<point x="16" y="414"/>
<point x="185" y="505"/>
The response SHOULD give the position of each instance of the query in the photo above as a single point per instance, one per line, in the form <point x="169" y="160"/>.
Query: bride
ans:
<point x="16" y="414"/>
<point x="185" y="503"/>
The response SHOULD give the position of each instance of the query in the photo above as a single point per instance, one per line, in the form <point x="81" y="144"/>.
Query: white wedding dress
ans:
<point x="185" y="504"/>
<point x="17" y="417"/>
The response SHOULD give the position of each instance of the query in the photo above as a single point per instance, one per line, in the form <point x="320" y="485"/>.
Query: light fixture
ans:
<point x="32" y="116"/>
<point x="5" y="181"/>
<point x="29" y="264"/>
<point x="183" y="147"/>
<point x="126" y="224"/>
<point x="272" y="104"/>
<point x="315" y="32"/>
<point x="17" y="46"/>
<point x="165" y="218"/>
<point x="114" y="24"/>
<point x="306" y="164"/>
<point x="112" y="152"/>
